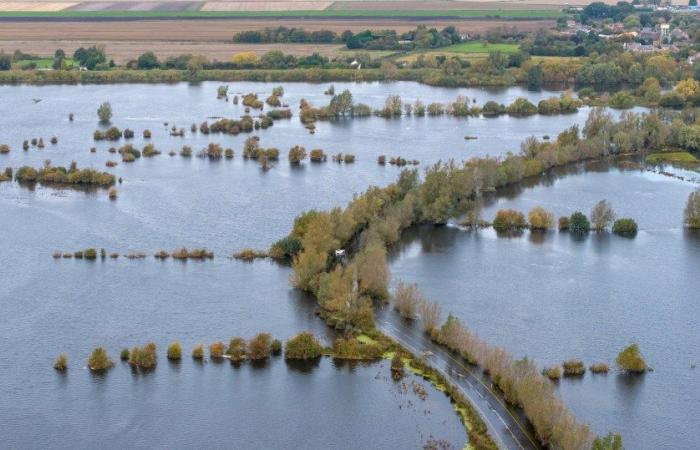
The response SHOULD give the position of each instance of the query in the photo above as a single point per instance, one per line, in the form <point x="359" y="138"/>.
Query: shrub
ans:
<point x="508" y="219"/>
<point x="599" y="368"/>
<point x="104" y="112"/>
<point x="563" y="223"/>
<point x="146" y="134"/>
<point x="625" y="227"/>
<point x="260" y="346"/>
<point x="249" y="254"/>
<point x="349" y="158"/>
<point x="397" y="367"/>
<point x="236" y="349"/>
<point x="216" y="350"/>
<point x="381" y="160"/>
<point x="186" y="151"/>
<point x="99" y="360"/>
<point x="407" y="298"/>
<point x="128" y="134"/>
<point x="4" y="149"/>
<point x="303" y="346"/>
<point x="574" y="367"/>
<point x="491" y="109"/>
<point x="113" y="134"/>
<point x="602" y="215"/>
<point x="540" y="218"/>
<point x="174" y="351"/>
<point x="287" y="247"/>
<point x="578" y="223"/>
<point x="198" y="351"/>
<point x="521" y="107"/>
<point x="553" y="373"/>
<point x="150" y="150"/>
<point x="273" y="101"/>
<point x="317" y="155"/>
<point x="621" y="100"/>
<point x="61" y="363"/>
<point x="112" y="193"/>
<point x="691" y="213"/>
<point x="352" y="348"/>
<point x="90" y="253"/>
<point x="228" y="153"/>
<point x="631" y="360"/>
<point x="144" y="357"/>
<point x="276" y="347"/>
<point x="297" y="154"/>
<point x="124" y="355"/>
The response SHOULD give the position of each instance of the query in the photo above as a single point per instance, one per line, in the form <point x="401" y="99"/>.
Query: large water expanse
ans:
<point x="48" y="306"/>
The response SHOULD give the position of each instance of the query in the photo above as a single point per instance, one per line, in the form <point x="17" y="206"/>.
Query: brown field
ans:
<point x="126" y="40"/>
<point x="123" y="51"/>
<point x="354" y="5"/>
<point x="266" y="6"/>
<point x="35" y="6"/>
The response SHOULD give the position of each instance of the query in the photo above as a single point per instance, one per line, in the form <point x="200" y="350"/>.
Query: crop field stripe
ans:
<point x="358" y="14"/>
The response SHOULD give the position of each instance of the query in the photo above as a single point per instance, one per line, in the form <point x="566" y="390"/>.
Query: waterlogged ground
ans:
<point x="48" y="306"/>
<point x="552" y="297"/>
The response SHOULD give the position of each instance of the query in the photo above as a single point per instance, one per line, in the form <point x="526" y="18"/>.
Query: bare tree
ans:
<point x="602" y="215"/>
<point x="407" y="298"/>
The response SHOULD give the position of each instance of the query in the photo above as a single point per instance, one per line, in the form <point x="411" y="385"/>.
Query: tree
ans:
<point x="691" y="214"/>
<point x="692" y="2"/>
<point x="534" y="77"/>
<point x="245" y="59"/>
<point x="578" y="223"/>
<point x="90" y="57"/>
<point x="688" y="87"/>
<point x="5" y="61"/>
<point x="99" y="359"/>
<point x="341" y="104"/>
<point x="104" y="112"/>
<point x="602" y="215"/>
<point x="407" y="299"/>
<point x="303" y="346"/>
<point x="260" y="346"/>
<point x="147" y="61"/>
<point x="651" y="89"/>
<point x="631" y="360"/>
<point x="613" y="441"/>
<point x="174" y="351"/>
<point x="540" y="218"/>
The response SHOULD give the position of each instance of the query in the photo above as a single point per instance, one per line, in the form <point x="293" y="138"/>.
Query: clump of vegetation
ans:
<point x="198" y="351"/>
<point x="144" y="357"/>
<point x="90" y="253"/>
<point x="249" y="254"/>
<point x="150" y="150"/>
<point x="691" y="213"/>
<point x="509" y="219"/>
<point x="186" y="151"/>
<point x="104" y="112"/>
<point x="553" y="373"/>
<point x="6" y="175"/>
<point x="602" y="215"/>
<point x="574" y="368"/>
<point x="611" y="441"/>
<point x="146" y="134"/>
<point x="4" y="149"/>
<point x="216" y="350"/>
<point x="287" y="247"/>
<point x="563" y="224"/>
<point x="112" y="193"/>
<point x="407" y="298"/>
<point x="348" y="158"/>
<point x="228" y="153"/>
<point x="61" y="362"/>
<point x="578" y="223"/>
<point x="317" y="155"/>
<point x="273" y="101"/>
<point x="99" y="360"/>
<point x="381" y="160"/>
<point x="111" y="163"/>
<point x="64" y="176"/>
<point x="397" y="367"/>
<point x="260" y="346"/>
<point x="625" y="227"/>
<point x="236" y="349"/>
<point x="198" y="253"/>
<point x="174" y="351"/>
<point x="276" y="347"/>
<point x="129" y="153"/>
<point x="297" y="154"/>
<point x="599" y="368"/>
<point x="540" y="219"/>
<point x="631" y="360"/>
<point x="349" y="347"/>
<point x="251" y="100"/>
<point x="213" y="151"/>
<point x="124" y="354"/>
<point x="303" y="346"/>
<point x="128" y="133"/>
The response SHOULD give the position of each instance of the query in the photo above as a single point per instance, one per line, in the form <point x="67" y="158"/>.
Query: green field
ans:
<point x="460" y="14"/>
<point x="671" y="157"/>
<point x="43" y="63"/>
<point x="481" y="47"/>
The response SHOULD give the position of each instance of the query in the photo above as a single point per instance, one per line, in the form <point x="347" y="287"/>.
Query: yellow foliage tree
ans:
<point x="245" y="58"/>
<point x="688" y="88"/>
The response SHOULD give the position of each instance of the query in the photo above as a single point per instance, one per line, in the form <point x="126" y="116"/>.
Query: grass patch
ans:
<point x="671" y="157"/>
<point x="481" y="47"/>
<point x="470" y="14"/>
<point x="367" y="340"/>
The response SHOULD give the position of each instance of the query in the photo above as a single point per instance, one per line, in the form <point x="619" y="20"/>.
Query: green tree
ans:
<point x="691" y="214"/>
<point x="147" y="61"/>
<point x="341" y="104"/>
<point x="613" y="441"/>
<point x="535" y="77"/>
<point x="5" y="61"/>
<point x="104" y="112"/>
<point x="578" y="223"/>
<point x="303" y="346"/>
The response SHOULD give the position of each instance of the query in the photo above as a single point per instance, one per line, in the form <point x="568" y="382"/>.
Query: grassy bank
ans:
<point x="671" y="157"/>
<point x="383" y="14"/>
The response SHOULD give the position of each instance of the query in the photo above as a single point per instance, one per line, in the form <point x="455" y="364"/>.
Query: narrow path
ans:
<point x="508" y="427"/>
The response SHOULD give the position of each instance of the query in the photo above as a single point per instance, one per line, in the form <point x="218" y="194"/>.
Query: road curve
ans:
<point x="506" y="425"/>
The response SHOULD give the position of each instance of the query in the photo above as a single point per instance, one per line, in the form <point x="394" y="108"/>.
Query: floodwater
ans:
<point x="552" y="296"/>
<point x="49" y="306"/>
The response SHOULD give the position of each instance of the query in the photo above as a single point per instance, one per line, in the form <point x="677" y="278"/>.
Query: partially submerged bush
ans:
<point x="691" y="213"/>
<point x="563" y="224"/>
<point x="317" y="155"/>
<point x="574" y="368"/>
<point x="276" y="347"/>
<point x="124" y="354"/>
<point x="406" y="299"/>
<point x="297" y="154"/>
<point x="61" y="363"/>
<point x="144" y="357"/>
<point x="174" y="351"/>
<point x="216" y="350"/>
<point x="352" y="348"/>
<point x="198" y="351"/>
<point x="63" y="176"/>
<point x="625" y="227"/>
<point x="104" y="112"/>
<point x="540" y="219"/>
<point x="249" y="254"/>
<point x="287" y="247"/>
<point x="509" y="219"/>
<point x="236" y="349"/>
<point x="397" y="367"/>
<point x="602" y="215"/>
<point x="553" y="373"/>
<point x="99" y="360"/>
<point x="150" y="150"/>
<point x="303" y="346"/>
<point x="197" y="253"/>
<point x="260" y="346"/>
<point x="599" y="368"/>
<point x="578" y="223"/>
<point x="631" y="360"/>
<point x="4" y="149"/>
